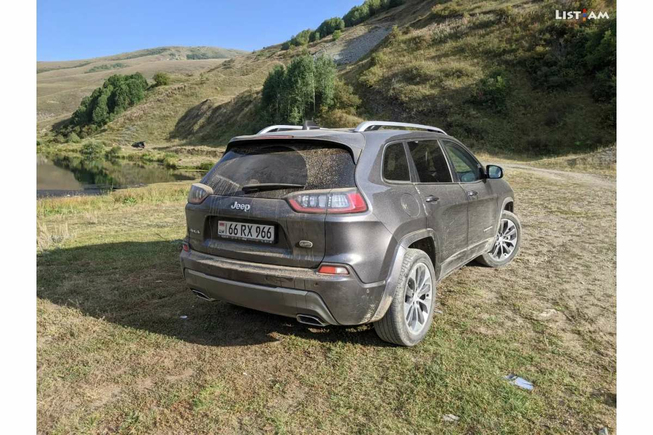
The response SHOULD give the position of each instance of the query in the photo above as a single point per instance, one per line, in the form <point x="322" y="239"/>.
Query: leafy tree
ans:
<point x="329" y="26"/>
<point x="161" y="79"/>
<point x="273" y="94"/>
<point x="358" y="14"/>
<point x="302" y="38"/>
<point x="301" y="91"/>
<point x="118" y="93"/>
<point x="325" y="79"/>
<point x="101" y="110"/>
<point x="336" y="35"/>
<point x="315" y="36"/>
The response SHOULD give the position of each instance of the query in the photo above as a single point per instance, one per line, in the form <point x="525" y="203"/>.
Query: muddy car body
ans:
<point x="349" y="218"/>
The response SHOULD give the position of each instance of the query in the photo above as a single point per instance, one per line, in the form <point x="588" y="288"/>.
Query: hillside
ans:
<point x="502" y="76"/>
<point x="62" y="85"/>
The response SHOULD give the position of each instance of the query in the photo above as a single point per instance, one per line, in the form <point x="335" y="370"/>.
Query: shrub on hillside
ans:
<point x="336" y="35"/>
<point x="492" y="91"/>
<point x="161" y="79"/>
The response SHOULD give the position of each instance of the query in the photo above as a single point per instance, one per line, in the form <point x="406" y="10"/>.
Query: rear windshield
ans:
<point x="314" y="166"/>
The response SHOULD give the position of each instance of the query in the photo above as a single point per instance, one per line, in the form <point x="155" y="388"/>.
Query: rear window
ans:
<point x="314" y="166"/>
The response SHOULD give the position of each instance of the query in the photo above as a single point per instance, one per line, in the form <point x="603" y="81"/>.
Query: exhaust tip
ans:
<point x="307" y="319"/>
<point x="201" y="295"/>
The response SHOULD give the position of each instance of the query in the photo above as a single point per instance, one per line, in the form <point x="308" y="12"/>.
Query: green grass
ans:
<point x="115" y="356"/>
<point x="440" y="70"/>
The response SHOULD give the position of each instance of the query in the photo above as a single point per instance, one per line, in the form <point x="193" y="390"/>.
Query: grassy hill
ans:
<point x="62" y="85"/>
<point x="502" y="76"/>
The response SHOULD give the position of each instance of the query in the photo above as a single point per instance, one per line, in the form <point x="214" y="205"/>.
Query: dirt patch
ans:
<point x="355" y="44"/>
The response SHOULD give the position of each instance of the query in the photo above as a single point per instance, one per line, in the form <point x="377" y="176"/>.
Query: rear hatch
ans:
<point x="249" y="217"/>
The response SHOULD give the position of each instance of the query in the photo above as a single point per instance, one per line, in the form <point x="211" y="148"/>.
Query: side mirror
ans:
<point x="494" y="172"/>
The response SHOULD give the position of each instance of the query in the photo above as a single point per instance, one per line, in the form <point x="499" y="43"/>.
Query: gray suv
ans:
<point x="345" y="226"/>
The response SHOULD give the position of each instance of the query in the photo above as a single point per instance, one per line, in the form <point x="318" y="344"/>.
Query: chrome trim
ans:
<point x="273" y="128"/>
<point x="375" y="125"/>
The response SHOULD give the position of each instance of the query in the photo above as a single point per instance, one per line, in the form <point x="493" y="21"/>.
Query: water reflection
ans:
<point x="74" y="175"/>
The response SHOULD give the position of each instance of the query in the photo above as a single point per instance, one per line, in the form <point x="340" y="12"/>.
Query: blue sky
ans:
<point x="75" y="29"/>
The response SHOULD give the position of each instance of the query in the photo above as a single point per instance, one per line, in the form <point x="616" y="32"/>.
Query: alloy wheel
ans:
<point x="419" y="294"/>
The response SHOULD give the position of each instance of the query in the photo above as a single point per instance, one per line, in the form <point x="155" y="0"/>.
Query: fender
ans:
<point x="395" y="269"/>
<point x="506" y="200"/>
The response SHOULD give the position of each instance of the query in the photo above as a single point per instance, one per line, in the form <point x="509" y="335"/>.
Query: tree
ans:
<point x="329" y="26"/>
<point x="161" y="79"/>
<point x="273" y="95"/>
<point x="301" y="91"/>
<point x="116" y="94"/>
<point x="302" y="38"/>
<point x="101" y="110"/>
<point x="325" y="79"/>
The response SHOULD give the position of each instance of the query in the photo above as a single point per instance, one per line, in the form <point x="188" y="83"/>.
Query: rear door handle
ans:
<point x="472" y="193"/>
<point x="432" y="198"/>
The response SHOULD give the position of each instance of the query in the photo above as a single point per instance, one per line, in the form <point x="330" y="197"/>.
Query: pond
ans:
<point x="76" y="176"/>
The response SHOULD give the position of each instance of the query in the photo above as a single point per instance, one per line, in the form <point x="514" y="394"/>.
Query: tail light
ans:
<point x="333" y="270"/>
<point x="198" y="193"/>
<point x="328" y="201"/>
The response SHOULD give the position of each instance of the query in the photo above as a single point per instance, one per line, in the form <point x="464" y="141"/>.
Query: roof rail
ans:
<point x="272" y="128"/>
<point x="375" y="125"/>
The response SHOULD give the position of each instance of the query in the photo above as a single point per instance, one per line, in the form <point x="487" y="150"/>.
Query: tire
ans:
<point x="393" y="327"/>
<point x="508" y="221"/>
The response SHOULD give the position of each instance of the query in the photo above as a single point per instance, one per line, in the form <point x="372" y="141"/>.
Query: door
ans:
<point x="444" y="201"/>
<point x="482" y="212"/>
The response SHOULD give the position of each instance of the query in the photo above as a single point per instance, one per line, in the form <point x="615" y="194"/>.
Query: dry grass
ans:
<point x="115" y="356"/>
<point x="62" y="85"/>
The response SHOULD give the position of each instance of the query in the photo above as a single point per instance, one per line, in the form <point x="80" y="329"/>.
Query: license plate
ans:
<point x="239" y="230"/>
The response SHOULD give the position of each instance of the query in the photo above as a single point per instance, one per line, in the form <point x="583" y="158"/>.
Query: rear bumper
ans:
<point x="287" y="291"/>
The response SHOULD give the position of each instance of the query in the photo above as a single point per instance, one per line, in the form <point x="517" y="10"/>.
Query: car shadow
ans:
<point x="139" y="285"/>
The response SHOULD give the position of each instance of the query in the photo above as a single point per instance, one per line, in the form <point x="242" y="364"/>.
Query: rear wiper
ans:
<point x="270" y="186"/>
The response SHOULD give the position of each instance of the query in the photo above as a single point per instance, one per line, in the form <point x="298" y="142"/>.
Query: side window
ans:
<point x="430" y="162"/>
<point x="464" y="164"/>
<point x="395" y="164"/>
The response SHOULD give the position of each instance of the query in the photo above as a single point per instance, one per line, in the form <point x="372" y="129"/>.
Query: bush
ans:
<point x="72" y="137"/>
<point x="92" y="151"/>
<point x="336" y="35"/>
<point x="345" y="98"/>
<point x="161" y="79"/>
<point x="170" y="162"/>
<point x="492" y="91"/>
<point x="113" y="153"/>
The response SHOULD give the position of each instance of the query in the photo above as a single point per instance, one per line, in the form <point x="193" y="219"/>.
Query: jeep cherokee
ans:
<point x="345" y="226"/>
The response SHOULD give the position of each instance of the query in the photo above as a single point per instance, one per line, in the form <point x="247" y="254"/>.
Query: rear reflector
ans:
<point x="185" y="247"/>
<point x="348" y="201"/>
<point x="333" y="270"/>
